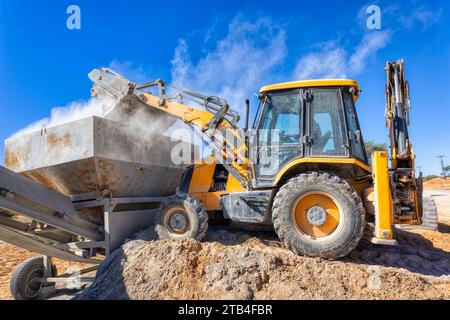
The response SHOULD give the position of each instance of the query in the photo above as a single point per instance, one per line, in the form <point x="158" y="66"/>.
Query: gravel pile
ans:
<point x="233" y="264"/>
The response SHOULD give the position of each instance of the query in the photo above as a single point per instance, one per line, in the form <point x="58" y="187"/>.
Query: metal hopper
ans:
<point x="123" y="153"/>
<point x="94" y="154"/>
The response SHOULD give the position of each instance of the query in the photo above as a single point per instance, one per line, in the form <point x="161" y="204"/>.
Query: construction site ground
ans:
<point x="238" y="264"/>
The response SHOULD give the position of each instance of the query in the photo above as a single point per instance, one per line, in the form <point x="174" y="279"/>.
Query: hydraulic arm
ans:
<point x="398" y="193"/>
<point x="397" y="115"/>
<point x="406" y="188"/>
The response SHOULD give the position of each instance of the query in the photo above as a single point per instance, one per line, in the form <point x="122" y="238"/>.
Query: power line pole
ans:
<point x="444" y="173"/>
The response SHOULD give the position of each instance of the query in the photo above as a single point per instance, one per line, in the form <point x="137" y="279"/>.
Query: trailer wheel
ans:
<point x="181" y="217"/>
<point x="318" y="215"/>
<point x="26" y="283"/>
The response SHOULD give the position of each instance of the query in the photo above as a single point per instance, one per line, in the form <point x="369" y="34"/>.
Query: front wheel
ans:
<point x="318" y="215"/>
<point x="181" y="217"/>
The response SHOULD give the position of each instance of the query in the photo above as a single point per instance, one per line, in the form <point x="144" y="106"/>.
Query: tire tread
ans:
<point x="333" y="251"/>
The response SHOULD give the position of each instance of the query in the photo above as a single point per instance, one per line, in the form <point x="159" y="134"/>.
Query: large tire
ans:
<point x="181" y="217"/>
<point x="291" y="206"/>
<point x="24" y="284"/>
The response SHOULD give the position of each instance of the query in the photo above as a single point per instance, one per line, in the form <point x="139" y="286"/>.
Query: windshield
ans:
<point x="281" y="120"/>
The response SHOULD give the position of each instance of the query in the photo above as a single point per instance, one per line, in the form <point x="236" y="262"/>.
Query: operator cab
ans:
<point x="305" y="119"/>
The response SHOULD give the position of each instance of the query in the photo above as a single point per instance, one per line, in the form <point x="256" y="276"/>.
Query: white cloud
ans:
<point x="425" y="17"/>
<point x="330" y="61"/>
<point x="133" y="73"/>
<point x="238" y="64"/>
<point x="181" y="64"/>
<point x="367" y="49"/>
<point x="251" y="53"/>
<point x="333" y="61"/>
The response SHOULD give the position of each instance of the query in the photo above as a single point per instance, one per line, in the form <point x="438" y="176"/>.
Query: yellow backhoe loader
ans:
<point x="302" y="168"/>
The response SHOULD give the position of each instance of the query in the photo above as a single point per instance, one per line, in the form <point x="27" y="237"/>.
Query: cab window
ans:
<point x="354" y="132"/>
<point x="327" y="123"/>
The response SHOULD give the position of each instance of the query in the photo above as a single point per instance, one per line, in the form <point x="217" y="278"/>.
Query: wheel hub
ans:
<point x="33" y="285"/>
<point x="178" y="222"/>
<point x="316" y="215"/>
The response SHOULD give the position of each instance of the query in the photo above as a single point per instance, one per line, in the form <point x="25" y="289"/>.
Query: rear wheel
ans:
<point x="181" y="217"/>
<point x="318" y="215"/>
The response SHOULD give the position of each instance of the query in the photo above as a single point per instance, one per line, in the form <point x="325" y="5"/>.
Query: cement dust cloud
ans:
<point x="76" y="110"/>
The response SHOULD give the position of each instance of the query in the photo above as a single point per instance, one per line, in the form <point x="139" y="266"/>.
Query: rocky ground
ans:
<point x="233" y="264"/>
<point x="237" y="264"/>
<point x="437" y="184"/>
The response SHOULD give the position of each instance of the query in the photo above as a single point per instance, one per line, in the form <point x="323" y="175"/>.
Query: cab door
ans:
<point x="326" y="132"/>
<point x="279" y="134"/>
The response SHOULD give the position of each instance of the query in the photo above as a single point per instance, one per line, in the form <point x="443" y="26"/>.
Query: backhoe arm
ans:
<point x="398" y="193"/>
<point x="217" y="123"/>
<point x="397" y="115"/>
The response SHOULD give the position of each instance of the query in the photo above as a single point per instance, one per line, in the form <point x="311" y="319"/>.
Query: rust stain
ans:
<point x="11" y="159"/>
<point x="54" y="140"/>
<point x="109" y="178"/>
<point x="66" y="139"/>
<point x="35" y="176"/>
<point x="105" y="172"/>
<point x="85" y="173"/>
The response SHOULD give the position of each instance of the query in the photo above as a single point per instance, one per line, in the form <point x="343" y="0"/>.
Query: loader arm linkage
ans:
<point x="217" y="123"/>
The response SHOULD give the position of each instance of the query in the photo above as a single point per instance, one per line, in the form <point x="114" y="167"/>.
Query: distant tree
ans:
<point x="430" y="177"/>
<point x="446" y="171"/>
<point x="372" y="146"/>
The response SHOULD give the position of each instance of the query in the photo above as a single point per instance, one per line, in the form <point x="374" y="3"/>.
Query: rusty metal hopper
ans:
<point x="94" y="154"/>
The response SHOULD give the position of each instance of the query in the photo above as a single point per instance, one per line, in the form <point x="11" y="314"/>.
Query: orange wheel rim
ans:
<point x="316" y="215"/>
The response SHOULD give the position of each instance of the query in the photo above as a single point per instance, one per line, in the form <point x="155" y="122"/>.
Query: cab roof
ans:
<point x="311" y="83"/>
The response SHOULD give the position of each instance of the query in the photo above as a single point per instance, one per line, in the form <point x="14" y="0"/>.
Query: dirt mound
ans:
<point x="233" y="264"/>
<point x="437" y="183"/>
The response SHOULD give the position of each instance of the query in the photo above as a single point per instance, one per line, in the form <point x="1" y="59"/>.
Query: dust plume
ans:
<point x="76" y="110"/>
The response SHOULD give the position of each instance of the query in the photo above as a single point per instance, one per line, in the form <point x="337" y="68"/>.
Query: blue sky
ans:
<point x="229" y="48"/>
